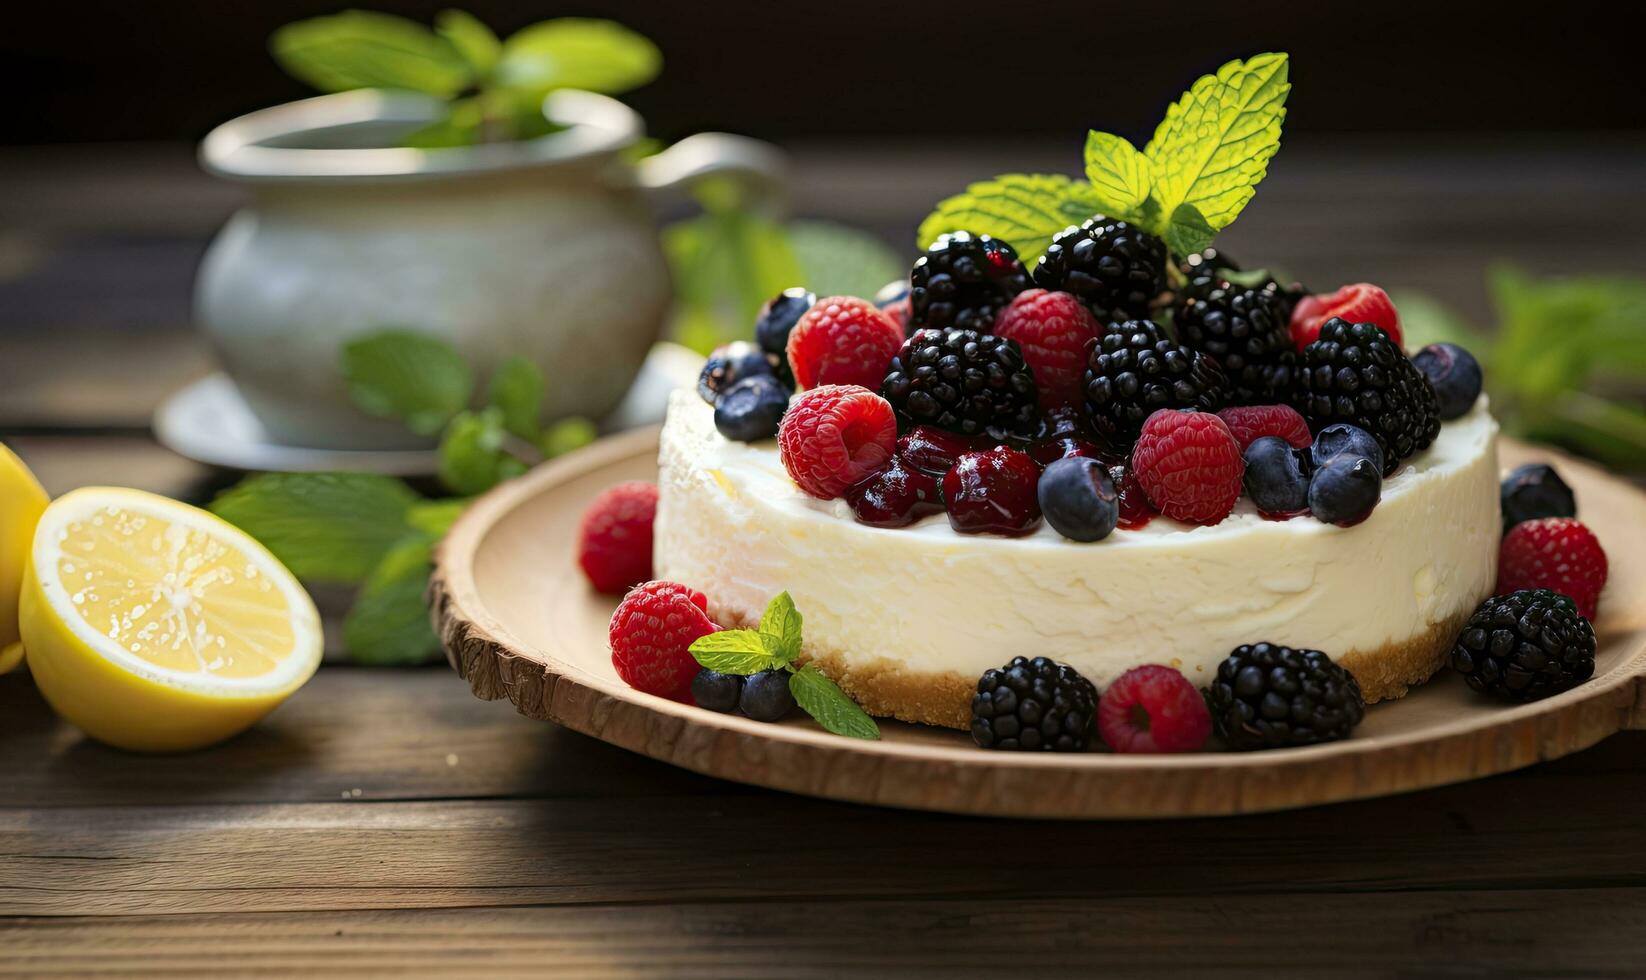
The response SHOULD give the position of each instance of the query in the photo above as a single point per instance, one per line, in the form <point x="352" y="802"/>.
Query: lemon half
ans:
<point x="156" y="626"/>
<point x="22" y="500"/>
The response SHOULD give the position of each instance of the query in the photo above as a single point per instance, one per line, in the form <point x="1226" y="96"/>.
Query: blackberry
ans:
<point x="1534" y="490"/>
<point x="1115" y="268"/>
<point x="1207" y="264"/>
<point x="1034" y="706"/>
<point x="1248" y="330"/>
<point x="1135" y="370"/>
<point x="1525" y="646"/>
<point x="1354" y="373"/>
<point x="963" y="281"/>
<point x="1268" y="696"/>
<point x="964" y="381"/>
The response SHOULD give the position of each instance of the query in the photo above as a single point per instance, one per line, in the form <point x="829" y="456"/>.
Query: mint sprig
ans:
<point x="776" y="646"/>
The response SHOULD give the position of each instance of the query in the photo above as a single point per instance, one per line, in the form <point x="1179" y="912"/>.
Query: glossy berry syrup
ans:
<point x="897" y="496"/>
<point x="1135" y="510"/>
<point x="993" y="492"/>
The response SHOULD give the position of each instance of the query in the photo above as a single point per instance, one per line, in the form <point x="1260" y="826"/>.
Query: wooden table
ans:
<point x="386" y="821"/>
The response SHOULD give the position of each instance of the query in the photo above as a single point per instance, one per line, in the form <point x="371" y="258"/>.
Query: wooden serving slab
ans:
<point x="518" y="621"/>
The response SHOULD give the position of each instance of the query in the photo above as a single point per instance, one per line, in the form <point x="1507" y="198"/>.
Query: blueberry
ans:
<point x="1532" y="491"/>
<point x="766" y="695"/>
<point x="1344" y="489"/>
<point x="1344" y="439"/>
<point x="778" y="317"/>
<point x="1078" y="498"/>
<point x="730" y="364"/>
<point x="1276" y="477"/>
<point x="716" y="691"/>
<point x="1455" y="375"/>
<point x="892" y="293"/>
<point x="751" y="409"/>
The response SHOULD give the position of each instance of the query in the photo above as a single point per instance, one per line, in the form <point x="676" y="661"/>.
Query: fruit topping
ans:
<point x="1343" y="439"/>
<point x="1268" y="696"/>
<point x="1535" y="490"/>
<point x="842" y="340"/>
<point x="1455" y="375"/>
<point x="1054" y="330"/>
<point x="751" y="409"/>
<point x="1345" y="490"/>
<point x="614" y="538"/>
<point x="776" y="321"/>
<point x="1360" y="302"/>
<point x="731" y="363"/>
<point x="1555" y="553"/>
<point x="1252" y="422"/>
<point x="1525" y="646"/>
<point x="1189" y="465"/>
<point x="964" y="281"/>
<point x="993" y="492"/>
<point x="1354" y="373"/>
<point x="1033" y="706"/>
<point x="1277" y="479"/>
<point x="651" y="636"/>
<point x="1135" y="508"/>
<point x="1153" y="709"/>
<point x="1135" y="371"/>
<point x="968" y="382"/>
<point x="1116" y="268"/>
<point x="717" y="691"/>
<point x="1078" y="498"/>
<point x="766" y="695"/>
<point x="1206" y="265"/>
<point x="932" y="450"/>
<point x="896" y="496"/>
<point x="834" y="436"/>
<point x="1246" y="329"/>
<point x="1064" y="432"/>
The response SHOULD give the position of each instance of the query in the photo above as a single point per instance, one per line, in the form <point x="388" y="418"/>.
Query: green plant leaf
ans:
<point x="780" y="628"/>
<point x="472" y="459"/>
<point x="325" y="527"/>
<point x="566" y="435"/>
<point x="740" y="652"/>
<point x="829" y="706"/>
<point x="570" y="52"/>
<point x="435" y="517"/>
<point x="389" y="622"/>
<point x="1215" y="142"/>
<point x="407" y="375"/>
<point x="725" y="264"/>
<point x="516" y="390"/>
<point x="472" y="39"/>
<point x="362" y="49"/>
<point x="1187" y="232"/>
<point x="1120" y="178"/>
<point x="838" y="260"/>
<point x="1027" y="210"/>
<point x="1424" y="320"/>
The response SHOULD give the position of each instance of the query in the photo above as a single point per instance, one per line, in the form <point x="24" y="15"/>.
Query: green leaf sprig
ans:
<point x="1188" y="183"/>
<point x="776" y="646"/>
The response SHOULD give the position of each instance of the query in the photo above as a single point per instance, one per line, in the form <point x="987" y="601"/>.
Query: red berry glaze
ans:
<point x="843" y="340"/>
<point x="1249" y="423"/>
<point x="1153" y="709"/>
<point x="1054" y="330"/>
<point x="1189" y="464"/>
<point x="993" y="492"/>
<point x="651" y="635"/>
<point x="1135" y="509"/>
<point x="1557" y="553"/>
<point x="1359" y="302"/>
<point x="933" y="450"/>
<point x="614" y="539"/>
<point x="897" y="496"/>
<point x="1063" y="433"/>
<point x="835" y="436"/>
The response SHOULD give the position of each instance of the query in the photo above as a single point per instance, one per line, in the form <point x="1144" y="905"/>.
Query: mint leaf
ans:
<point x="1027" y="210"/>
<point x="472" y="459"/>
<point x="725" y="263"/>
<point x="1187" y="232"/>
<point x="1120" y="177"/>
<point x="836" y="260"/>
<point x="780" y="628"/>
<point x="408" y="375"/>
<point x="516" y="390"/>
<point x="435" y="517"/>
<point x="829" y="706"/>
<point x="570" y="52"/>
<point x="740" y="652"/>
<point x="1216" y="141"/>
<point x="361" y="49"/>
<point x="389" y="623"/>
<point x="472" y="39"/>
<point x="325" y="527"/>
<point x="566" y="435"/>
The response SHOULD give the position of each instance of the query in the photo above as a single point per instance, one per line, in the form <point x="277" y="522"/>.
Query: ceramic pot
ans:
<point x="545" y="248"/>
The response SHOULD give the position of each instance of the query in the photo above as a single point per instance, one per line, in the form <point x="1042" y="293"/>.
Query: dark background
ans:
<point x="937" y="69"/>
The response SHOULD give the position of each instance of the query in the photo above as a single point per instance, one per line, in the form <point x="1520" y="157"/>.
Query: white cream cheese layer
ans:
<point x="731" y="523"/>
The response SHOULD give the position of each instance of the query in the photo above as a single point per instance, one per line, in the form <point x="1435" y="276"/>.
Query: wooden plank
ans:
<point x="1569" y="932"/>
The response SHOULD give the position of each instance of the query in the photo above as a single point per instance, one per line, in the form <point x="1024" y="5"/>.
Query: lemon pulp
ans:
<point x="22" y="500"/>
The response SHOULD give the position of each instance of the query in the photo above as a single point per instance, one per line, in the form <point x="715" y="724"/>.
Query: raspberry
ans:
<point x="651" y="635"/>
<point x="1250" y="423"/>
<point x="614" y="539"/>
<point x="1360" y="302"/>
<point x="1189" y="464"/>
<point x="843" y="340"/>
<point x="1054" y="330"/>
<point x="1153" y="709"/>
<point x="834" y="436"/>
<point x="1556" y="553"/>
